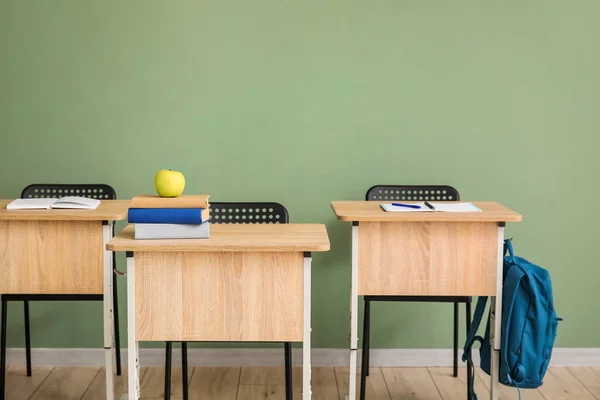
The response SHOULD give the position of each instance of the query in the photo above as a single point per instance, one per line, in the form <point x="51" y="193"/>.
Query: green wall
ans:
<point x="305" y="102"/>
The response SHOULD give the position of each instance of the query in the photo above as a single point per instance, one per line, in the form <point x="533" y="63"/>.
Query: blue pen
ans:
<point x="406" y="205"/>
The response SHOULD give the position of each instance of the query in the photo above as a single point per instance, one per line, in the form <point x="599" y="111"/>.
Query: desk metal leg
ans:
<point x="496" y="319"/>
<point x="133" y="360"/>
<point x="306" y="345"/>
<point x="3" y="327"/>
<point x="495" y="358"/>
<point x="353" y="314"/>
<point x="184" y="368"/>
<point x="27" y="337"/>
<point x="107" y="230"/>
<point x="289" y="389"/>
<point x="168" y="369"/>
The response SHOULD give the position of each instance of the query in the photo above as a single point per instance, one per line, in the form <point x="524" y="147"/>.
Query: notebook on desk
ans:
<point x="428" y="206"/>
<point x="48" y="203"/>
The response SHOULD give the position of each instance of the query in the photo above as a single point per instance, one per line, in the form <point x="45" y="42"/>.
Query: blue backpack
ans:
<point x="528" y="328"/>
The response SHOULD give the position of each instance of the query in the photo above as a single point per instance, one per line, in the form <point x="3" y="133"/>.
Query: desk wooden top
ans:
<point x="108" y="210"/>
<point x="234" y="237"/>
<point x="372" y="211"/>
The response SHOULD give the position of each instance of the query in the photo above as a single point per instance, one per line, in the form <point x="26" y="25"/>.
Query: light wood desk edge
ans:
<point x="301" y="237"/>
<point x="108" y="210"/>
<point x="371" y="211"/>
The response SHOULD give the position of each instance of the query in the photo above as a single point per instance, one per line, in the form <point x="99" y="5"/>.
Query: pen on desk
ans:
<point x="429" y="205"/>
<point x="405" y="205"/>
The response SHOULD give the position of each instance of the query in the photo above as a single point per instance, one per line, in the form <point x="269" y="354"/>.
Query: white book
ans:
<point x="172" y="231"/>
<point x="53" y="202"/>
<point x="430" y="206"/>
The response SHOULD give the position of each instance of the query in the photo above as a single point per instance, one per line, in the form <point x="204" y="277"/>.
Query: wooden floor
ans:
<point x="268" y="383"/>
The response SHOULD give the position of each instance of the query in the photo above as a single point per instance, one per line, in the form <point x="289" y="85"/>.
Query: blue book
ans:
<point x="191" y="216"/>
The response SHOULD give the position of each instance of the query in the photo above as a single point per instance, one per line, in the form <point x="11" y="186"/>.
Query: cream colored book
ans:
<point x="53" y="202"/>
<point x="185" y="201"/>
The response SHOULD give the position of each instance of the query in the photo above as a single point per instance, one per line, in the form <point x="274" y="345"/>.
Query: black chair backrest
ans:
<point x="93" y="191"/>
<point x="248" y="213"/>
<point x="413" y="193"/>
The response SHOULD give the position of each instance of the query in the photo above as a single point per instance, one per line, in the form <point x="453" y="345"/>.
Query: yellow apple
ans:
<point x="169" y="183"/>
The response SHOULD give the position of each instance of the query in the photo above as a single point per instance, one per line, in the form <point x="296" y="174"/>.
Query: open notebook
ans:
<point x="48" y="203"/>
<point x="428" y="206"/>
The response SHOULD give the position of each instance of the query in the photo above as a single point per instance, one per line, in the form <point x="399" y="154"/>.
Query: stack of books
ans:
<point x="183" y="217"/>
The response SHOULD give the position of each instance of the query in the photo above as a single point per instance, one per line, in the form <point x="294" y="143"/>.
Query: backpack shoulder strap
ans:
<point x="472" y="337"/>
<point x="472" y="334"/>
<point x="511" y="286"/>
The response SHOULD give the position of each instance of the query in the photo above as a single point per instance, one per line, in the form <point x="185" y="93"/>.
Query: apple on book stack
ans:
<point x="181" y="217"/>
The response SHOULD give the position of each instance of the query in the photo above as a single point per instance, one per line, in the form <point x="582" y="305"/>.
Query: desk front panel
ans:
<point x="219" y="296"/>
<point x="428" y="258"/>
<point x="51" y="257"/>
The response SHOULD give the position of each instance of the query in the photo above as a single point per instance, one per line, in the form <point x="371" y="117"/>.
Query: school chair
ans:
<point x="236" y="213"/>
<point x="96" y="191"/>
<point x="384" y="193"/>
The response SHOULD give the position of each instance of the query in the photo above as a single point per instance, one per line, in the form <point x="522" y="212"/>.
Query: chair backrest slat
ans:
<point x="412" y="193"/>
<point x="93" y="191"/>
<point x="248" y="213"/>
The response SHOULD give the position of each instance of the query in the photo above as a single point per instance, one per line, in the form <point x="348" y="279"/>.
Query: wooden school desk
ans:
<point x="61" y="252"/>
<point x="426" y="254"/>
<point x="244" y="283"/>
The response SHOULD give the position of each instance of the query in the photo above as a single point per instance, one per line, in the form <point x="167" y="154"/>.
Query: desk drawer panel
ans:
<point x="51" y="257"/>
<point x="428" y="258"/>
<point x="220" y="296"/>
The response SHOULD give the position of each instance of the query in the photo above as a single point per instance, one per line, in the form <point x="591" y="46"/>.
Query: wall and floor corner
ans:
<point x="308" y="102"/>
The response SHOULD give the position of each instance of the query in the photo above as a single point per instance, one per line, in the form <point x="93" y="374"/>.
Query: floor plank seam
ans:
<point x="542" y="394"/>
<point x="41" y="383"/>
<point x="582" y="384"/>
<point x="435" y="384"/>
<point x="337" y="381"/>
<point x="190" y="376"/>
<point x="387" y="386"/>
<point x="478" y="377"/>
<point x="337" y="386"/>
<point x="237" y="394"/>
<point x="90" y="385"/>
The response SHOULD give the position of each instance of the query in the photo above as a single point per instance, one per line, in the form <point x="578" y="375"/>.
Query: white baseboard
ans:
<point x="274" y="357"/>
